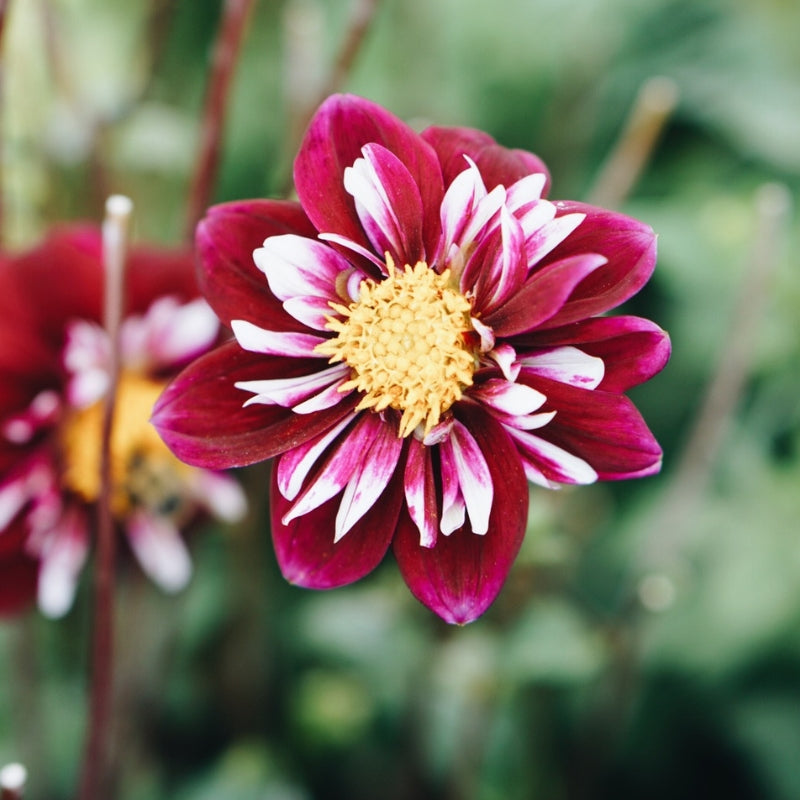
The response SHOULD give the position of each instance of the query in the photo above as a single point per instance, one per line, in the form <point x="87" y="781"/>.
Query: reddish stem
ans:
<point x="96" y="773"/>
<point x="230" y="34"/>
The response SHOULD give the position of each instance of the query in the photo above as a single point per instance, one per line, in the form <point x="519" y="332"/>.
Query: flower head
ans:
<point x="54" y="372"/>
<point x="416" y="339"/>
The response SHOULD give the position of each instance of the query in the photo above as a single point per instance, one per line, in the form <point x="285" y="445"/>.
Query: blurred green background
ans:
<point x="647" y="643"/>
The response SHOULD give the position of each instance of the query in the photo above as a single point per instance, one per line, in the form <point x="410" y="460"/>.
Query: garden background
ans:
<point x="647" y="642"/>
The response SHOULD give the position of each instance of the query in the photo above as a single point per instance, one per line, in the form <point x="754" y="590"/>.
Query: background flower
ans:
<point x="54" y="373"/>
<point x="434" y="344"/>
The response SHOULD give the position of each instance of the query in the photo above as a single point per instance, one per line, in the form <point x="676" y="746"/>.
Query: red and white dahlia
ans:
<point x="416" y="339"/>
<point x="54" y="372"/>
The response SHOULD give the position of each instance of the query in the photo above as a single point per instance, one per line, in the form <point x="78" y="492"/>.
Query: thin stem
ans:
<point x="652" y="108"/>
<point x="3" y="14"/>
<point x="724" y="390"/>
<point x="233" y="23"/>
<point x="13" y="778"/>
<point x="95" y="774"/>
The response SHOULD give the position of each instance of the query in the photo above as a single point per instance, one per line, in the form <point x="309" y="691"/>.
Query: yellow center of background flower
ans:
<point x="144" y="473"/>
<point x="404" y="340"/>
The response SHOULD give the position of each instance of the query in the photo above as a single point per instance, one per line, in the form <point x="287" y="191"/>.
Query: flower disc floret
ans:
<point x="404" y="341"/>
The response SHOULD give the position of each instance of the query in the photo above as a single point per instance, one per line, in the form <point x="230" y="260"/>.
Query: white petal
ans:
<point x="570" y="468"/>
<point x="62" y="559"/>
<point x="371" y="476"/>
<point x="550" y="235"/>
<point x="526" y="190"/>
<point x="275" y="343"/>
<point x="296" y="266"/>
<point x="220" y="494"/>
<point x="290" y="392"/>
<point x="514" y="399"/>
<point x="474" y="478"/>
<point x="567" y="365"/>
<point x="160" y="551"/>
<point x="414" y="485"/>
<point x="293" y="466"/>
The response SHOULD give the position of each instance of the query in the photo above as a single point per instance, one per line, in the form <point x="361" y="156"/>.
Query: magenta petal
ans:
<point x="604" y="429"/>
<point x="305" y="548"/>
<point x="497" y="164"/>
<point x="17" y="583"/>
<point x="629" y="246"/>
<point x="389" y="204"/>
<point x="633" y="349"/>
<point x="341" y="127"/>
<point x="228" y="276"/>
<point x="462" y="574"/>
<point x="202" y="418"/>
<point x="542" y="295"/>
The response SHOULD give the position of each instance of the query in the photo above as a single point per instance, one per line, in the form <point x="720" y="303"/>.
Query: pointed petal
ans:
<point x="302" y="393"/>
<point x="372" y="474"/>
<point x="201" y="416"/>
<point x="498" y="165"/>
<point x="460" y="577"/>
<point x="566" y="365"/>
<point x="420" y="492"/>
<point x="277" y="343"/>
<point x="344" y="461"/>
<point x="602" y="428"/>
<point x="498" y="268"/>
<point x="340" y="128"/>
<point x="229" y="279"/>
<point x="307" y="554"/>
<point x="388" y="203"/>
<point x="633" y="349"/>
<point x="474" y="477"/>
<point x="61" y="562"/>
<point x="298" y="267"/>
<point x="628" y="245"/>
<point x="160" y="550"/>
<point x="168" y="335"/>
<point x="218" y="493"/>
<point x="543" y="295"/>
<point x="547" y="464"/>
<point x="294" y="466"/>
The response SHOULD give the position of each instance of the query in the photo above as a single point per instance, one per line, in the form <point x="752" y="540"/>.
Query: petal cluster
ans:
<point x="54" y="373"/>
<point x="334" y="372"/>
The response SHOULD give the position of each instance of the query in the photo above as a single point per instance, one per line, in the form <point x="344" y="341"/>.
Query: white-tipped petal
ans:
<point x="275" y="343"/>
<point x="160" y="550"/>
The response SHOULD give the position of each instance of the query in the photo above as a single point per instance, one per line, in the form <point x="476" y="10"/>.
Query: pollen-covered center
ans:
<point x="144" y="473"/>
<point x="404" y="340"/>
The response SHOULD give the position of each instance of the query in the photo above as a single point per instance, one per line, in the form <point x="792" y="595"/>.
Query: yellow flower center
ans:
<point x="144" y="473"/>
<point x="404" y="340"/>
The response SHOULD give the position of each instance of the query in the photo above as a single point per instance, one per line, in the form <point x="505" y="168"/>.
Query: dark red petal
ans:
<point x="306" y="552"/>
<point x="200" y="415"/>
<point x="497" y="164"/>
<point x="61" y="279"/>
<point x="154" y="272"/>
<point x="542" y="295"/>
<point x="462" y="574"/>
<point x="18" y="575"/>
<point x="229" y="279"/>
<point x="633" y="349"/>
<point x="340" y="128"/>
<point x="604" y="429"/>
<point x="629" y="246"/>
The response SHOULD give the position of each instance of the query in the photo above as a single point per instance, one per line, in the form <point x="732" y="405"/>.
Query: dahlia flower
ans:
<point x="54" y="360"/>
<point x="414" y="341"/>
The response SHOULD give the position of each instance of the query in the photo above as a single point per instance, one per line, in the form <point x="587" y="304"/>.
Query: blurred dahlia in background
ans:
<point x="54" y="373"/>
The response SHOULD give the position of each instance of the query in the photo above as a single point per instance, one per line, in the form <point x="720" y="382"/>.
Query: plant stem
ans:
<point x="95" y="775"/>
<point x="232" y="26"/>
<point x="653" y="106"/>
